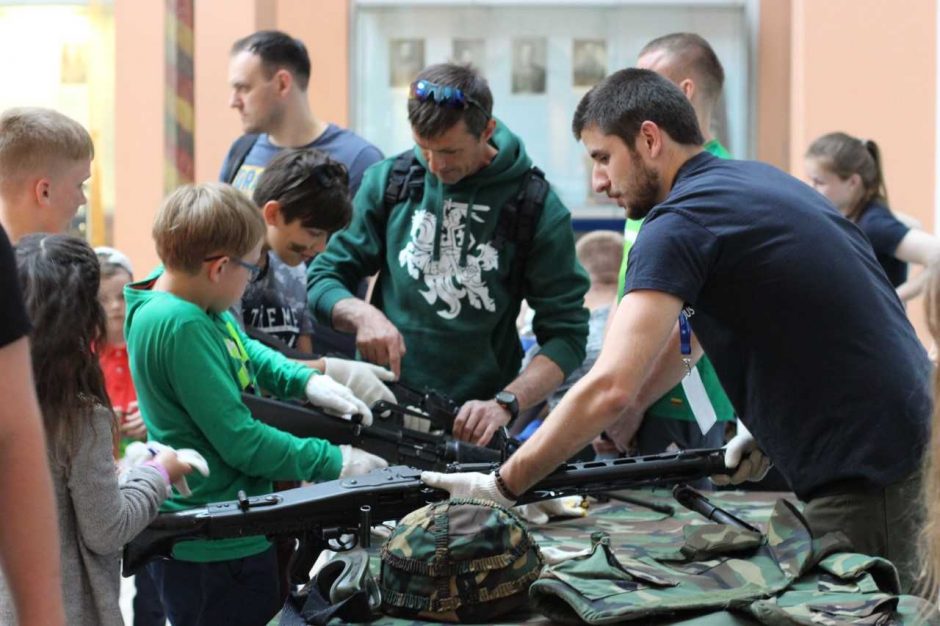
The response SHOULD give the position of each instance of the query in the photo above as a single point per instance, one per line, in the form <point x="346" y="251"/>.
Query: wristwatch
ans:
<point x="508" y="401"/>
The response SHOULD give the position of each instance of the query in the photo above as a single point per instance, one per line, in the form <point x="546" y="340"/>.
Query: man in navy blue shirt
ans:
<point x="806" y="334"/>
<point x="269" y="72"/>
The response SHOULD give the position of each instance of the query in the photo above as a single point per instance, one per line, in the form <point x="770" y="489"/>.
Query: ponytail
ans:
<point x="845" y="155"/>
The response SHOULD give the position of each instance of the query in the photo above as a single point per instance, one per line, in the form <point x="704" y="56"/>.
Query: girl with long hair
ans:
<point x="847" y="170"/>
<point x="98" y="511"/>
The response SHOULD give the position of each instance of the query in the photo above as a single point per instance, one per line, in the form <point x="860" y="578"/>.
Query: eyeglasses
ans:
<point x="254" y="271"/>
<point x="443" y="95"/>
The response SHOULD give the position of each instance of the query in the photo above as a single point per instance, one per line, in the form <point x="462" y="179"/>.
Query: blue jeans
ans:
<point x="147" y="608"/>
<point x="240" y="592"/>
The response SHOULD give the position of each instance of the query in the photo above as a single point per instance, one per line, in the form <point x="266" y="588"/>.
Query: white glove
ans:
<point x="467" y="485"/>
<point x="413" y="422"/>
<point x="743" y="453"/>
<point x="138" y="453"/>
<point x="364" y="379"/>
<point x="357" y="462"/>
<point x="335" y="398"/>
<point x="540" y="512"/>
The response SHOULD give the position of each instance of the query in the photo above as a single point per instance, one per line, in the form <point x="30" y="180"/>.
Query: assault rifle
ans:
<point x="428" y="404"/>
<point x="316" y="514"/>
<point x="386" y="437"/>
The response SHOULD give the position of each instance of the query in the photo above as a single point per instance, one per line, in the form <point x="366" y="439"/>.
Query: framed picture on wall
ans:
<point x="588" y="62"/>
<point x="405" y="60"/>
<point x="528" y="65"/>
<point x="470" y="52"/>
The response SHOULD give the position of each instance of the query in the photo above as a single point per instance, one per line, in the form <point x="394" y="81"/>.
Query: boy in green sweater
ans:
<point x="191" y="362"/>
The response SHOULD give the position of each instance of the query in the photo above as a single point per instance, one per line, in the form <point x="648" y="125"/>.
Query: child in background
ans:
<point x="191" y="362"/>
<point x="116" y="272"/>
<point x="59" y="276"/>
<point x="600" y="252"/>
<point x="848" y="172"/>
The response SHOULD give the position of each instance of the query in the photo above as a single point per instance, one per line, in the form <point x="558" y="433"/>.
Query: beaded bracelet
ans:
<point x="503" y="488"/>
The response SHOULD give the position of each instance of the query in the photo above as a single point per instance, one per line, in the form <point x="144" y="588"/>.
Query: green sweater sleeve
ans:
<point x="201" y="375"/>
<point x="555" y="284"/>
<point x="276" y="373"/>
<point x="354" y="253"/>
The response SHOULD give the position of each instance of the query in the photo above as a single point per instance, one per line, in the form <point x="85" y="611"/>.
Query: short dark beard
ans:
<point x="647" y="184"/>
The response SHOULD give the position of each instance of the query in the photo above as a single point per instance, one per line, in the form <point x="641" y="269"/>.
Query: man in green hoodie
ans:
<point x="443" y="309"/>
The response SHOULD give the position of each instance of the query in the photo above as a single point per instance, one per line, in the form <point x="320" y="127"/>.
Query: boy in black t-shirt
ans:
<point x="805" y="332"/>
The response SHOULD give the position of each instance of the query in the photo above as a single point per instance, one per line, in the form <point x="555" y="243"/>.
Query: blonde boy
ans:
<point x="45" y="159"/>
<point x="191" y="362"/>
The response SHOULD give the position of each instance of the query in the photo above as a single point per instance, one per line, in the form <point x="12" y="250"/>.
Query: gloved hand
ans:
<point x="467" y="485"/>
<point x="335" y="398"/>
<point x="363" y="379"/>
<point x="743" y="453"/>
<point x="138" y="453"/>
<point x="540" y="512"/>
<point x="413" y="422"/>
<point x="357" y="462"/>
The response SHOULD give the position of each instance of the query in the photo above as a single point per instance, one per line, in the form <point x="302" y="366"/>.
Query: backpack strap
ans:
<point x="518" y="221"/>
<point x="240" y="150"/>
<point x="405" y="180"/>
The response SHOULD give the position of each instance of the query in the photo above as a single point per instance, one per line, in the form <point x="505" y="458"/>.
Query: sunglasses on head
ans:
<point x="443" y="95"/>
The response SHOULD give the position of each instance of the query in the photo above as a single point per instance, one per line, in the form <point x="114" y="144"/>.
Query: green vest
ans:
<point x="675" y="405"/>
<point x="783" y="577"/>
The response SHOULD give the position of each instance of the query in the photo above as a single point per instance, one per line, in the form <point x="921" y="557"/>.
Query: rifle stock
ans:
<point x="332" y="508"/>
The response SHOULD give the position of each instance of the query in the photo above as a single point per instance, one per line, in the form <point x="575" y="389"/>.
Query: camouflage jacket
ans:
<point x="783" y="577"/>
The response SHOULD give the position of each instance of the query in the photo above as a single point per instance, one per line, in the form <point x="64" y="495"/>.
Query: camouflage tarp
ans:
<point x="632" y="529"/>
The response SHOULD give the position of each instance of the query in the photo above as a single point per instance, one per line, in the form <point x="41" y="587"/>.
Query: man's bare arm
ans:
<point x="29" y="530"/>
<point x="640" y="331"/>
<point x="377" y="339"/>
<point x="478" y="420"/>
<point x="667" y="372"/>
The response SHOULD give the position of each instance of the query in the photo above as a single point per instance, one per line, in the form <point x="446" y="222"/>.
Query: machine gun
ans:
<point x="351" y="506"/>
<point x="386" y="437"/>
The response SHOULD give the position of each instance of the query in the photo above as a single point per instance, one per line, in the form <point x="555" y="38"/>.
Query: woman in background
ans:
<point x="848" y="172"/>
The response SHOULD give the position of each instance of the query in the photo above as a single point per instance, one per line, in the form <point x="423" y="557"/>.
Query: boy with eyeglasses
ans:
<point x="448" y="256"/>
<point x="190" y="364"/>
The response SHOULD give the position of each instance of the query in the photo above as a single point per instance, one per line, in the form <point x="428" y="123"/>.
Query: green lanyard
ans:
<point x="246" y="376"/>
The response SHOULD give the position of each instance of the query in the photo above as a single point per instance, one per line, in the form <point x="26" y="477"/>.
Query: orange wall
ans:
<point x="324" y="27"/>
<point x="773" y="83"/>
<point x="138" y="126"/>
<point x="869" y="68"/>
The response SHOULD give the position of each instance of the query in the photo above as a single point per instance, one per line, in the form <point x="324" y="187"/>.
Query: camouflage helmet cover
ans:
<point x="463" y="560"/>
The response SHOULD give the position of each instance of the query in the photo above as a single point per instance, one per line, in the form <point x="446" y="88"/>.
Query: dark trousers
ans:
<point x="879" y="522"/>
<point x="147" y="608"/>
<point x="240" y="592"/>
